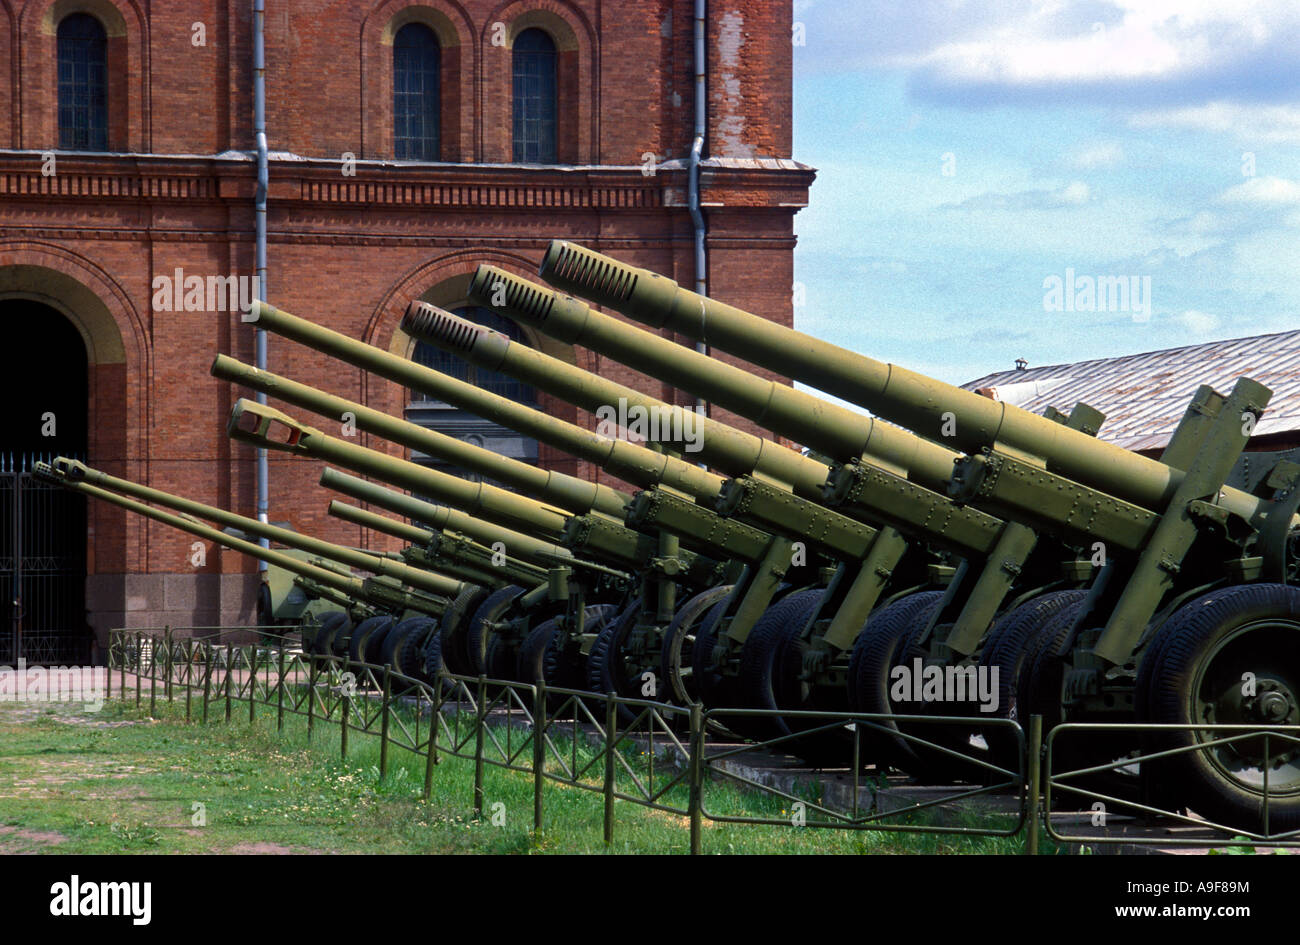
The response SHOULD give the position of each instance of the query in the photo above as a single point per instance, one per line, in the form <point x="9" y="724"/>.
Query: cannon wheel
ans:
<point x="359" y="642"/>
<point x="543" y="656"/>
<point x="1231" y="657"/>
<point x="477" y="636"/>
<point x="880" y="646"/>
<point x="608" y="667"/>
<point x="676" y="664"/>
<point x="395" y="644"/>
<point x="334" y="622"/>
<point x="770" y="667"/>
<point x="1012" y="642"/>
<point x="453" y="630"/>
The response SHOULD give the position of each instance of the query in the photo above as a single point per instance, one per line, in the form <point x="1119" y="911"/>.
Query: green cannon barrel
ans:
<point x="269" y="428"/>
<point x="370" y="590"/>
<point x="266" y="427"/>
<point x="441" y="517"/>
<point x="446" y="552"/>
<point x="828" y="428"/>
<point x="75" y="471"/>
<point x="567" y="492"/>
<point x="380" y="523"/>
<point x="706" y="440"/>
<point x="920" y="403"/>
<point x="636" y="464"/>
<point x="647" y="468"/>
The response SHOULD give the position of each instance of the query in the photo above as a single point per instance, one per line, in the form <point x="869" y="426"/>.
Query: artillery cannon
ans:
<point x="406" y="615"/>
<point x="1196" y="588"/>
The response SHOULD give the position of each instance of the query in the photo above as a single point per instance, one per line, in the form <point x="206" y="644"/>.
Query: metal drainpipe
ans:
<point x="263" y="178"/>
<point x="693" y="174"/>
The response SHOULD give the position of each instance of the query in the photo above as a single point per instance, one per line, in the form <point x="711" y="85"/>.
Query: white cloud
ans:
<point x="1263" y="191"/>
<point x="1199" y="324"/>
<point x="1249" y="123"/>
<point x="1073" y="194"/>
<point x="1096" y="157"/>
<point x="1149" y="39"/>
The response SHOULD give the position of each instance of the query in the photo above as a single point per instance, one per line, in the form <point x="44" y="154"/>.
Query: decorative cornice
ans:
<point x="224" y="179"/>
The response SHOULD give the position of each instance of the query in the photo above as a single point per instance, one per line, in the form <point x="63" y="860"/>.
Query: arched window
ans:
<point x="535" y="104"/>
<point x="83" y="84"/>
<point x="493" y="381"/>
<point x="463" y="424"/>
<point x="416" y="99"/>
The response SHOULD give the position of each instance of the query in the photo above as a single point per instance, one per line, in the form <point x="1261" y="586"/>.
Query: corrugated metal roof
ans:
<point x="1145" y="395"/>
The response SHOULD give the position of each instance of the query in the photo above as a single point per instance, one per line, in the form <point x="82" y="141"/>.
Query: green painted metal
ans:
<point x="388" y="596"/>
<point x="440" y="518"/>
<point x="567" y="492"/>
<point x="924" y="405"/>
<point x="75" y="471"/>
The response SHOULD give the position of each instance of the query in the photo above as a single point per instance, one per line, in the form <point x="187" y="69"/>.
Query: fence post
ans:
<point x="346" y="702"/>
<point x="252" y="682"/>
<point x="279" y="698"/>
<point x="153" y="678"/>
<point x="311" y="695"/>
<point x="480" y="720"/>
<point x="1035" y="761"/>
<point x="431" y="750"/>
<point x="439" y="687"/>
<point x="121" y="672"/>
<point x="611" y="738"/>
<point x="384" y="722"/>
<point x="696" y="801"/>
<point x="189" y="678"/>
<point x="139" y="665"/>
<point x="207" y="678"/>
<point x="539" y="750"/>
<point x="230" y="672"/>
<point x="167" y="663"/>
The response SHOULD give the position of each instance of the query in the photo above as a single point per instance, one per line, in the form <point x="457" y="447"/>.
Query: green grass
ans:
<point x="119" y="782"/>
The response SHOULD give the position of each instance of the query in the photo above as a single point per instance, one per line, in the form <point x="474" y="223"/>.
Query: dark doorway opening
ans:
<point x="43" y="390"/>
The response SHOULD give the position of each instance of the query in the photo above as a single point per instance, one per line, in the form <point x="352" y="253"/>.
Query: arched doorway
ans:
<point x="43" y="387"/>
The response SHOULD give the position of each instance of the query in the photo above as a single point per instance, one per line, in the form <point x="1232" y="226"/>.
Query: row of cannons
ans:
<point x="949" y="555"/>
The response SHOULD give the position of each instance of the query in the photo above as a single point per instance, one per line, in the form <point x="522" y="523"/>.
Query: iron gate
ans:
<point x="42" y="568"/>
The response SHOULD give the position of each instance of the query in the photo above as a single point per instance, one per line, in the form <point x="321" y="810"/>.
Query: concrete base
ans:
<point x="153" y="601"/>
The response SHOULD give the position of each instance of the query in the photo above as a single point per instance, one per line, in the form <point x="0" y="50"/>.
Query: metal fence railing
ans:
<point x="669" y="758"/>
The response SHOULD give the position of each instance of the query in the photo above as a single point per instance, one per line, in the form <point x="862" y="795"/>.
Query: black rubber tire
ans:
<point x="1010" y="644"/>
<point x="478" y="639"/>
<point x="408" y="653"/>
<point x="715" y="690"/>
<point x="331" y="623"/>
<point x="771" y="666"/>
<point x="359" y="642"/>
<point x="1202" y="629"/>
<point x="677" y="649"/>
<point x="453" y="629"/>
<point x="762" y="683"/>
<point x="374" y="647"/>
<point x="888" y="634"/>
<point x="394" y="638"/>
<point x="606" y="668"/>
<point x="546" y="653"/>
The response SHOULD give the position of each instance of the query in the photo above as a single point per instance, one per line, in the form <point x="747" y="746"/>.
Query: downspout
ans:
<point x="693" y="173"/>
<point x="263" y="180"/>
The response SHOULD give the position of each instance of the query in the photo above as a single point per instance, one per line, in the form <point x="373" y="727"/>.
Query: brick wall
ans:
<point x="350" y="251"/>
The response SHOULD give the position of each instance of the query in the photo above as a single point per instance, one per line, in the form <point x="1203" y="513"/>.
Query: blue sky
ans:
<point x="969" y="151"/>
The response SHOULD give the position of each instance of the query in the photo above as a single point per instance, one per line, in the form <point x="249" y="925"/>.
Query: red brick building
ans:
<point x="409" y="142"/>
